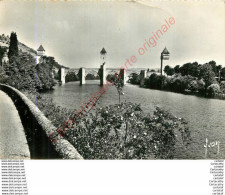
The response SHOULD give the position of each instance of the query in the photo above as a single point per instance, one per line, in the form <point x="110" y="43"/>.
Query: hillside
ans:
<point x="4" y="42"/>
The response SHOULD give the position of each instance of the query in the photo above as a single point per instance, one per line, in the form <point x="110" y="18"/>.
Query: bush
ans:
<point x="156" y="81"/>
<point x="212" y="90"/>
<point x="134" y="79"/>
<point x="91" y="77"/>
<point x="125" y="132"/>
<point x="222" y="87"/>
<point x="71" y="76"/>
<point x="31" y="77"/>
<point x="118" y="131"/>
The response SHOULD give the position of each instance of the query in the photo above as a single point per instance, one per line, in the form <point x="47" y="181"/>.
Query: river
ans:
<point x="206" y="117"/>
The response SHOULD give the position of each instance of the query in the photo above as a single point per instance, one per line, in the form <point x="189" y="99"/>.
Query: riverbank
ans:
<point x="205" y="116"/>
<point x="109" y="139"/>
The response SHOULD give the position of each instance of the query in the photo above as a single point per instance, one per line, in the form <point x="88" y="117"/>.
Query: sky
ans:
<point x="75" y="32"/>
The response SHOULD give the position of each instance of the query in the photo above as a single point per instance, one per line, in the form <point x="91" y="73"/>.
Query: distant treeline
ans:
<point x="72" y="76"/>
<point x="189" y="78"/>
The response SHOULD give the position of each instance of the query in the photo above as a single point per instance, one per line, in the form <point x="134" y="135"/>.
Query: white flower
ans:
<point x="135" y="136"/>
<point x="132" y="114"/>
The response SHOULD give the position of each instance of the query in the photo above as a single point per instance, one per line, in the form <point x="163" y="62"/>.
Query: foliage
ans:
<point x="207" y="75"/>
<point x="134" y="79"/>
<point x="177" y="69"/>
<point x="23" y="68"/>
<point x="45" y="74"/>
<point x="125" y="132"/>
<point x="13" y="46"/>
<point x="120" y="131"/>
<point x="71" y="76"/>
<point x="119" y="84"/>
<point x="223" y="72"/>
<point x="56" y="114"/>
<point x="222" y="87"/>
<point x="111" y="77"/>
<point x="168" y="70"/>
<point x="176" y="83"/>
<point x="90" y="76"/>
<point x="156" y="81"/>
<point x="213" y="89"/>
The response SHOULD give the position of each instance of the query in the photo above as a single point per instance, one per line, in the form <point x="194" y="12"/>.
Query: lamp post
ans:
<point x="165" y="55"/>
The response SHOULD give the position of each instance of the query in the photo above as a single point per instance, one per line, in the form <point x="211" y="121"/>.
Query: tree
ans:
<point x="213" y="89"/>
<point x="177" y="69"/>
<point x="222" y="73"/>
<point x="134" y="78"/>
<point x="207" y="74"/>
<point x="168" y="70"/>
<point x="190" y="69"/>
<point x="13" y="46"/>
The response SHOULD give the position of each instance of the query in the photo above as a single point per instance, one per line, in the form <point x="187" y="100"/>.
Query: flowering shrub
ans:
<point x="119" y="131"/>
<point x="123" y="131"/>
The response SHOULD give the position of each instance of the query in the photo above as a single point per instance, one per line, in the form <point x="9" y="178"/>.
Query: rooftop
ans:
<point x="165" y="51"/>
<point x="103" y="51"/>
<point x="41" y="48"/>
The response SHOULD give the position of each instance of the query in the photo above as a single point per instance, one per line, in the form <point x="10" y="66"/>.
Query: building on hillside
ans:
<point x="5" y="58"/>
<point x="40" y="53"/>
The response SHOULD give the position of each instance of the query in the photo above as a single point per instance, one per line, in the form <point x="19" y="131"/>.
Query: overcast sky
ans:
<point x="75" y="32"/>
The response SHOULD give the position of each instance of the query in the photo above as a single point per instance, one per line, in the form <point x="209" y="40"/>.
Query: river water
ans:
<point x="206" y="117"/>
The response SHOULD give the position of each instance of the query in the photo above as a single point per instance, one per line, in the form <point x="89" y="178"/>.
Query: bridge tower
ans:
<point x="82" y="76"/>
<point x="123" y="75"/>
<point x="103" y="67"/>
<point x="142" y="77"/>
<point x="40" y="53"/>
<point x="165" y="55"/>
<point x="62" y="75"/>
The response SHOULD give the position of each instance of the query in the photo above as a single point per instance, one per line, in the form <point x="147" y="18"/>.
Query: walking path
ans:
<point x="13" y="143"/>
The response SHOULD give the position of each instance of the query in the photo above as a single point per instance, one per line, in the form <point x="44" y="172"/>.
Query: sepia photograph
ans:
<point x="117" y="80"/>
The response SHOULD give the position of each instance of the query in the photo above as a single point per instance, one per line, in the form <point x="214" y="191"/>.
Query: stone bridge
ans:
<point x="25" y="131"/>
<point x="83" y="72"/>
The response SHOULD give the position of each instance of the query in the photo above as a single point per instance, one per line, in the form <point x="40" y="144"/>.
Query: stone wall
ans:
<point x="38" y="129"/>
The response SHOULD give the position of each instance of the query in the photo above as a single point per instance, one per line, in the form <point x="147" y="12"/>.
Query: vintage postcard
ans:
<point x="112" y="80"/>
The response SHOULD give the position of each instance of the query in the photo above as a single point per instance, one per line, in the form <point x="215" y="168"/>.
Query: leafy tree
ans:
<point x="213" y="89"/>
<point x="207" y="74"/>
<point x="45" y="74"/>
<point x="90" y="76"/>
<point x="71" y="76"/>
<point x="177" y="69"/>
<point x="222" y="87"/>
<point x="190" y="69"/>
<point x="168" y="70"/>
<point x="134" y="79"/>
<point x="13" y="46"/>
<point x="119" y="84"/>
<point x="222" y="73"/>
<point x="21" y="73"/>
<point x="156" y="81"/>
